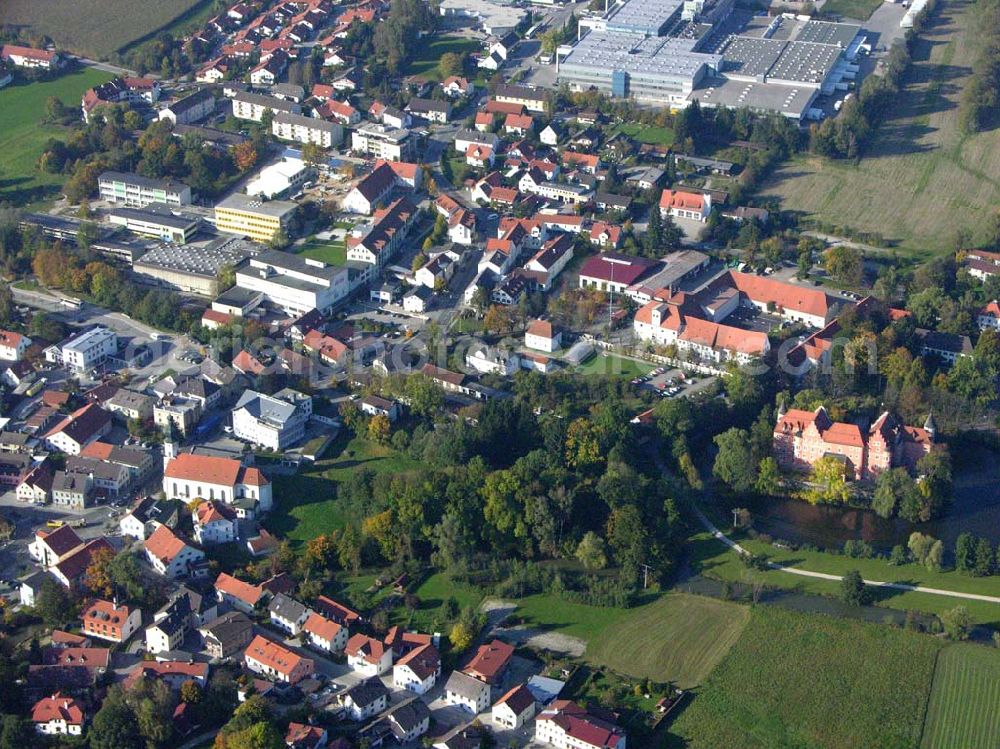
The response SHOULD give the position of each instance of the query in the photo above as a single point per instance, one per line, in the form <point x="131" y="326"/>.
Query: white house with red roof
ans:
<point x="214" y="523"/>
<point x="30" y="57"/>
<point x="190" y="476"/>
<point x="237" y="594"/>
<point x="276" y="662"/>
<point x="305" y="736"/>
<point x="989" y="316"/>
<point x="13" y="345"/>
<point x="79" y="429"/>
<point x="456" y="86"/>
<point x="490" y="662"/>
<point x="515" y="708"/>
<point x="169" y="555"/>
<point x="566" y="725"/>
<point x="58" y="716"/>
<point x="683" y="204"/>
<point x="340" y="111"/>
<point x="324" y="634"/>
<point x="418" y="670"/>
<point x="542" y="335"/>
<point x="368" y="656"/>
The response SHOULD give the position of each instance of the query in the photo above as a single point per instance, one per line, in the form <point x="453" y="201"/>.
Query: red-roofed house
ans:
<point x="521" y="124"/>
<point x="490" y="662"/>
<point x="304" y="736"/>
<point x="277" y="662"/>
<point x="989" y="317"/>
<point x="666" y="323"/>
<point x="368" y="656"/>
<point x="542" y="335"/>
<point x="324" y="634"/>
<point x="174" y="673"/>
<point x="79" y="429"/>
<point x="418" y="670"/>
<point x="682" y="204"/>
<point x="29" y="57"/>
<point x="514" y="708"/>
<point x="58" y="716"/>
<point x="456" y="86"/>
<point x="109" y="621"/>
<point x="169" y="555"/>
<point x="13" y="345"/>
<point x="214" y="523"/>
<point x="585" y="162"/>
<point x="330" y="350"/>
<point x="565" y="725"/>
<point x="479" y="155"/>
<point x="813" y="307"/>
<point x="337" y="611"/>
<point x="238" y="594"/>
<point x="207" y="477"/>
<point x="340" y="111"/>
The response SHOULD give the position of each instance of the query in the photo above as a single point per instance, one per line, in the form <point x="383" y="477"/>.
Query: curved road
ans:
<point x="710" y="527"/>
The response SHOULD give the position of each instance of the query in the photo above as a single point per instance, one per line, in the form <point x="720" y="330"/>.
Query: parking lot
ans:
<point x="666" y="383"/>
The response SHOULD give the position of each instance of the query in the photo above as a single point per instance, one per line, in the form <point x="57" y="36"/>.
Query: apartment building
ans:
<point x="297" y="127"/>
<point x="136" y="191"/>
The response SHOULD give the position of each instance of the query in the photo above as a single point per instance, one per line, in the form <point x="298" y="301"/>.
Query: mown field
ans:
<point x="713" y="559"/>
<point x="679" y="638"/>
<point x="326" y="251"/>
<point x="94" y="28"/>
<point x="964" y="708"/>
<point x="306" y="504"/>
<point x="798" y="680"/>
<point x="656" y="136"/>
<point x="22" y="136"/>
<point x="610" y="364"/>
<point x="856" y="10"/>
<point x="425" y="61"/>
<point x="921" y="179"/>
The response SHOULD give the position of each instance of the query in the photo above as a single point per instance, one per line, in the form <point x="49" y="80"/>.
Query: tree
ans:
<point x="853" y="589"/>
<point x="920" y="545"/>
<point x="15" y="732"/>
<point x="498" y="319"/>
<point x="379" y="428"/>
<point x="114" y="725"/>
<point x="892" y="489"/>
<point x="53" y="604"/>
<point x="126" y="575"/>
<point x="191" y="693"/>
<point x="957" y="623"/>
<point x="733" y="463"/>
<point x="984" y="558"/>
<point x="312" y="154"/>
<point x="845" y="264"/>
<point x="256" y="736"/>
<point x="583" y="448"/>
<point x="590" y="552"/>
<point x="450" y="64"/>
<point x="97" y="577"/>
<point x="461" y="636"/>
<point x="768" y="477"/>
<point x="829" y="482"/>
<point x="935" y="557"/>
<point x="245" y="156"/>
<point x="965" y="552"/>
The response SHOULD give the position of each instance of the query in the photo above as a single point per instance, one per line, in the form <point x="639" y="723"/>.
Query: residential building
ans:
<point x="190" y="109"/>
<point x="83" y="351"/>
<point x="373" y="405"/>
<point x="683" y="204"/>
<point x="276" y="662"/>
<point x="130" y="405"/>
<point x="269" y="422"/>
<point x="173" y="673"/>
<point x="371" y="191"/>
<point x="72" y="490"/>
<point x="418" y="670"/>
<point x="541" y="335"/>
<point x="531" y="98"/>
<point x="409" y="721"/>
<point x="669" y="323"/>
<point x="227" y="635"/>
<point x="294" y="284"/>
<point x="490" y="662"/>
<point x="302" y="129"/>
<point x="170" y="626"/>
<point x="947" y="347"/>
<point x="565" y="725"/>
<point x="429" y="109"/>
<point x="58" y="715"/>
<point x="324" y="634"/>
<point x="382" y="142"/>
<point x="304" y="736"/>
<point x="803" y="437"/>
<point x="238" y="594"/>
<point x="175" y="412"/>
<point x="13" y="345"/>
<point x="30" y="57"/>
<point x="467" y="692"/>
<point x="363" y="700"/>
<point x="77" y="430"/>
<point x="110" y="621"/>
<point x="288" y="614"/>
<point x="71" y="570"/>
<point x="379" y="244"/>
<point x="417" y="300"/>
<point x="214" y="523"/>
<point x="490" y="360"/>
<point x="254" y="218"/>
<point x="247" y="106"/>
<point x="51" y="547"/>
<point x="190" y="476"/>
<point x="338" y="612"/>
<point x="136" y="191"/>
<point x="810" y="306"/>
<point x="169" y="556"/>
<point x="515" y="708"/>
<point x="368" y="656"/>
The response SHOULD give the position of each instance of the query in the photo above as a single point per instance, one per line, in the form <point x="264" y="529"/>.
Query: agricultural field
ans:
<point x="22" y="137"/>
<point x="922" y="178"/>
<point x="807" y="680"/>
<point x="610" y="364"/>
<point x="96" y="28"/>
<point x="679" y="638"/>
<point x="306" y="504"/>
<point x="964" y="708"/>
<point x="425" y="62"/>
<point x="713" y="559"/>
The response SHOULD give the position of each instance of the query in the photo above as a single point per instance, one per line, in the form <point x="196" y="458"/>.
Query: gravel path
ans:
<point x="497" y="611"/>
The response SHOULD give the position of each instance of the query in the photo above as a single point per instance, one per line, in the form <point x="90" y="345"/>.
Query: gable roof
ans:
<point x="517" y="699"/>
<point x="273" y="655"/>
<point x="81" y="425"/>
<point x="58" y="708"/>
<point x="323" y="628"/>
<point x="164" y="544"/>
<point x="243" y="591"/>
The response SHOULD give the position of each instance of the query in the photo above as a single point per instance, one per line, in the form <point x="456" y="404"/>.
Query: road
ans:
<point x="711" y="528"/>
<point x="107" y="67"/>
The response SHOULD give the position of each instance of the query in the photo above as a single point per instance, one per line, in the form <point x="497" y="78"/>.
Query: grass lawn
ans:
<point x="573" y="619"/>
<point x="22" y="137"/>
<point x="433" y="592"/>
<point x="656" y="136"/>
<point x="329" y="252"/>
<point x="857" y="10"/>
<point x="804" y="680"/>
<point x="425" y="62"/>
<point x="715" y="560"/>
<point x="964" y="709"/>
<point x="921" y="178"/>
<point x="97" y="27"/>
<point x="610" y="364"/>
<point x="306" y="504"/>
<point x="678" y="638"/>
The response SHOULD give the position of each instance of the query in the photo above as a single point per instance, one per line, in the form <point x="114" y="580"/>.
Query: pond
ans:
<point x="975" y="508"/>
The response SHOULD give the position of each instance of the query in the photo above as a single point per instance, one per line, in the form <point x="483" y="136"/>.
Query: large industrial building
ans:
<point x="673" y="52"/>
<point x="253" y="217"/>
<point x="295" y="284"/>
<point x="193" y="268"/>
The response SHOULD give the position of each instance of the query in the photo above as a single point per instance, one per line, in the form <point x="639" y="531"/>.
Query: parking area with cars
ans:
<point x="665" y="383"/>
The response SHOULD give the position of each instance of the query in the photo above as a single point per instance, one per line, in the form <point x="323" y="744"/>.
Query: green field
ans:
<point x="329" y="252"/>
<point x="803" y="680"/>
<point x="857" y="10"/>
<point x="610" y="364"/>
<point x="425" y="61"/>
<point x="714" y="559"/>
<point x="964" y="709"/>
<point x="921" y="179"/>
<point x="655" y="136"/>
<point x="96" y="28"/>
<point x="306" y="505"/>
<point x="678" y="638"/>
<point x="22" y="136"/>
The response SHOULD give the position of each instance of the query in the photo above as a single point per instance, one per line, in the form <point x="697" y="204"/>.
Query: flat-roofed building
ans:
<point x="85" y="350"/>
<point x="137" y="191"/>
<point x="253" y="217"/>
<point x="193" y="268"/>
<point x="295" y="284"/>
<point x="156" y="220"/>
<point x="382" y="142"/>
<point x="297" y="127"/>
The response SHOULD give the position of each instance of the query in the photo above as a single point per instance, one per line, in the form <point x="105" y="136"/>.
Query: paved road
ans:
<point x="108" y="67"/>
<point x="711" y="528"/>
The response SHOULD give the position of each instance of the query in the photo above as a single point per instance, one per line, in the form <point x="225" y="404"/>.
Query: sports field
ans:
<point x="23" y="136"/>
<point x="94" y="28"/>
<point x="678" y="638"/>
<point x="804" y="680"/>
<point x="922" y="178"/>
<point x="964" y="709"/>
